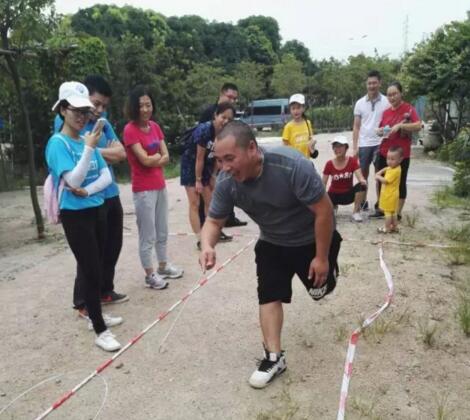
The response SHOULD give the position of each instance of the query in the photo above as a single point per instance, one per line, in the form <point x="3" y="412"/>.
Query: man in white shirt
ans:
<point x="367" y="116"/>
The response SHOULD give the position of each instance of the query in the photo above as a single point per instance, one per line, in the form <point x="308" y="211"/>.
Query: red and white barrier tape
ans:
<point x="355" y="337"/>
<point x="162" y="316"/>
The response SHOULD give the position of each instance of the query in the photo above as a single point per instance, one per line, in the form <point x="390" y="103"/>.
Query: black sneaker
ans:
<point x="235" y="222"/>
<point x="378" y="214"/>
<point x="225" y="238"/>
<point x="113" y="297"/>
<point x="271" y="366"/>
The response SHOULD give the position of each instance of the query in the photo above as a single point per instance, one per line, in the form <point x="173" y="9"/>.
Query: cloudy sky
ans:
<point x="327" y="27"/>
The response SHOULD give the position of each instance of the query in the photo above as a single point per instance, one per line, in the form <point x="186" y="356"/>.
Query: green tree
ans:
<point x="268" y="26"/>
<point x="301" y="53"/>
<point x="288" y="77"/>
<point x="260" y="49"/>
<point x="249" y="78"/>
<point x="440" y="69"/>
<point x="21" y="19"/>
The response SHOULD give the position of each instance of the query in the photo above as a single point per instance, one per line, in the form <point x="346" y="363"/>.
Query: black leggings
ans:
<point x="85" y="231"/>
<point x="112" y="249"/>
<point x="405" y="164"/>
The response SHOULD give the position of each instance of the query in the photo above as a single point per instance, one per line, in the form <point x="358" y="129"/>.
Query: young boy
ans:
<point x="389" y="177"/>
<point x="342" y="169"/>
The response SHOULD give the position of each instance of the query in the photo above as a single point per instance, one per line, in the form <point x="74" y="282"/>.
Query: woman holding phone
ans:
<point x="75" y="159"/>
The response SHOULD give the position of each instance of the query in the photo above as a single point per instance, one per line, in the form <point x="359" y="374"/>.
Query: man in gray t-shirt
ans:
<point x="281" y="191"/>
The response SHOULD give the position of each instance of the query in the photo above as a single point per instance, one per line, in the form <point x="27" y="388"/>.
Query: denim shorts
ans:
<point x="367" y="156"/>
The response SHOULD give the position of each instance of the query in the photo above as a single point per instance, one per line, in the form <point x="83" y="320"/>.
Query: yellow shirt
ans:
<point x="389" y="192"/>
<point x="297" y="135"/>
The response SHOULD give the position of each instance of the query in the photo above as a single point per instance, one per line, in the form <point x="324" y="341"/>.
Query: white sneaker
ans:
<point x="357" y="217"/>
<point x="109" y="321"/>
<point x="107" y="341"/>
<point x="154" y="281"/>
<point x="170" y="271"/>
<point x="271" y="366"/>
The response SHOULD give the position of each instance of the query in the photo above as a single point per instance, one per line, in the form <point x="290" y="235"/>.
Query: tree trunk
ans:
<point x="29" y="139"/>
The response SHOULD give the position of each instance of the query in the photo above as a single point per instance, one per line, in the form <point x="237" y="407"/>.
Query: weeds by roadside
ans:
<point x="463" y="312"/>
<point x="411" y="218"/>
<point x="286" y="409"/>
<point x="445" y="198"/>
<point x="428" y="332"/>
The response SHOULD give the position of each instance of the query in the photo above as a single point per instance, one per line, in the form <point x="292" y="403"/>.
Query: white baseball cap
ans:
<point x="297" y="98"/>
<point x="75" y="93"/>
<point x="340" y="140"/>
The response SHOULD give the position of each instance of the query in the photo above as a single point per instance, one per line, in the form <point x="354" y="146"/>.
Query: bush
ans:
<point x="458" y="149"/>
<point x="336" y="118"/>
<point x="458" y="153"/>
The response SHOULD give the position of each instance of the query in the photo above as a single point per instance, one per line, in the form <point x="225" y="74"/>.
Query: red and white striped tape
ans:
<point x="160" y="317"/>
<point x="355" y="337"/>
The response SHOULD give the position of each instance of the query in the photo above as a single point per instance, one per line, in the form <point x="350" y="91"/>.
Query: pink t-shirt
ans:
<point x="144" y="178"/>
<point x="341" y="179"/>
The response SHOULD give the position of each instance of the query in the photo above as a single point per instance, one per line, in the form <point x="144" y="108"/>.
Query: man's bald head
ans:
<point x="242" y="133"/>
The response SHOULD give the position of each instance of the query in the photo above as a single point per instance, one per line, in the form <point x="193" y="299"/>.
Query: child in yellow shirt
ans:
<point x="298" y="133"/>
<point x="389" y="177"/>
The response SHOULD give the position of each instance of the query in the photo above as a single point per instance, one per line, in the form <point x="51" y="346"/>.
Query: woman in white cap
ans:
<point x="75" y="160"/>
<point x="298" y="133"/>
<point x="342" y="170"/>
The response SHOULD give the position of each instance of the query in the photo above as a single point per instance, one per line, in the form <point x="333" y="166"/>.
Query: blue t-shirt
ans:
<point x="106" y="139"/>
<point x="61" y="158"/>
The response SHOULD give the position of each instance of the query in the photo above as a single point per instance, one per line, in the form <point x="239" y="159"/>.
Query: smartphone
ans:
<point x="99" y="125"/>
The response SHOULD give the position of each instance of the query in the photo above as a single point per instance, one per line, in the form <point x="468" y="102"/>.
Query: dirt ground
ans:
<point x="201" y="370"/>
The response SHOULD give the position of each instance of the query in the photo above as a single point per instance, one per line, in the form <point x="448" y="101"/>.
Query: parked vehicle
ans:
<point x="262" y="113"/>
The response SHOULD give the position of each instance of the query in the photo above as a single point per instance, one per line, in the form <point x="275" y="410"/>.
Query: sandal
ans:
<point x="382" y="230"/>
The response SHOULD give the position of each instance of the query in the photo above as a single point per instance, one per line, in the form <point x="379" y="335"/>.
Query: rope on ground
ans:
<point x="56" y="377"/>
<point x="162" y="316"/>
<point x="370" y="241"/>
<point x="357" y="332"/>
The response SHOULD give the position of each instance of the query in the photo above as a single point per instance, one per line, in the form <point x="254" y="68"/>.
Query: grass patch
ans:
<point x="459" y="233"/>
<point x="442" y="410"/>
<point x="341" y="333"/>
<point x="459" y="255"/>
<point x="428" y="332"/>
<point x="286" y="410"/>
<point x="446" y="197"/>
<point x="411" y="218"/>
<point x="366" y="409"/>
<point x="463" y="313"/>
<point x="383" y="326"/>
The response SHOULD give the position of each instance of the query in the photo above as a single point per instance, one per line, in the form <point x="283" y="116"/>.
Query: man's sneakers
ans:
<point x="154" y="281"/>
<point x="271" y="366"/>
<point x="225" y="238"/>
<point x="107" y="341"/>
<point x="378" y="214"/>
<point x="113" y="297"/>
<point x="170" y="272"/>
<point x="356" y="217"/>
<point x="234" y="222"/>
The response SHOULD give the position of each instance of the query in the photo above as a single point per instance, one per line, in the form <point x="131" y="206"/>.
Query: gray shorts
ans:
<point x="367" y="156"/>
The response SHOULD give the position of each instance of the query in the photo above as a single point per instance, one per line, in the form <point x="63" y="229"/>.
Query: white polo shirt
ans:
<point x="370" y="113"/>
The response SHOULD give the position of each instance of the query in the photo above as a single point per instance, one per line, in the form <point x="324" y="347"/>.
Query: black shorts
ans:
<point x="276" y="265"/>
<point x="347" y="197"/>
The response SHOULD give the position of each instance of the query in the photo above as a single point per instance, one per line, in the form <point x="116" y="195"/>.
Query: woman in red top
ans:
<point x="147" y="155"/>
<point x="342" y="169"/>
<point x="398" y="123"/>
